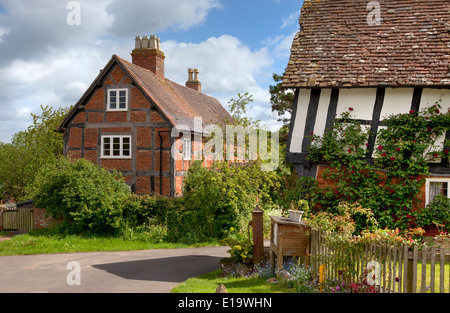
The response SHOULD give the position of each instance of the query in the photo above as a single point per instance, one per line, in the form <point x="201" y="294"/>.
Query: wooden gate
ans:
<point x="17" y="220"/>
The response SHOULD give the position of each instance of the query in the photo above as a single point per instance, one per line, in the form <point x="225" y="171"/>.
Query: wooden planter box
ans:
<point x="288" y="238"/>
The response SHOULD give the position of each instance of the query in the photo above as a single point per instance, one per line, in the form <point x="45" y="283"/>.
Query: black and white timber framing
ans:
<point x="316" y="109"/>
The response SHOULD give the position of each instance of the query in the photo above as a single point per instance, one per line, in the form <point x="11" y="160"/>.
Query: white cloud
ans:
<point x="225" y="63"/>
<point x="290" y="20"/>
<point x="3" y="32"/>
<point x="227" y="67"/>
<point x="153" y="16"/>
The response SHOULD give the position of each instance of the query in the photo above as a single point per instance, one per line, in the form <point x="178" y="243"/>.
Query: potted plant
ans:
<point x="296" y="211"/>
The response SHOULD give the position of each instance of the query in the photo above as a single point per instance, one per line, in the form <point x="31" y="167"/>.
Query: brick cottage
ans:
<point x="125" y="119"/>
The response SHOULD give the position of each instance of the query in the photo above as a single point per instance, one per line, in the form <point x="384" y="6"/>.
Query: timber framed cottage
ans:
<point x="124" y="121"/>
<point x="376" y="57"/>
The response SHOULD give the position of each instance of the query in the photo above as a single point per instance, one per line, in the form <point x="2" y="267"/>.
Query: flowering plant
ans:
<point x="391" y="185"/>
<point x="241" y="246"/>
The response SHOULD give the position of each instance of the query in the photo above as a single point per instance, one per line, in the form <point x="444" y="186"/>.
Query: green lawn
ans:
<point x="436" y="278"/>
<point x="208" y="283"/>
<point x="46" y="243"/>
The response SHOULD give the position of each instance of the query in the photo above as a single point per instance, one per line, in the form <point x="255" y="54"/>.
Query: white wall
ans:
<point x="300" y="121"/>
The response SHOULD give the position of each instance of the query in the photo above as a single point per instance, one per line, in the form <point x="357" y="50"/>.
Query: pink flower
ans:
<point x="383" y="155"/>
<point x="435" y="155"/>
<point x="437" y="111"/>
<point x="411" y="112"/>
<point x="398" y="149"/>
<point x="349" y="151"/>
<point x="380" y="147"/>
<point x="350" y="109"/>
<point x="392" y="159"/>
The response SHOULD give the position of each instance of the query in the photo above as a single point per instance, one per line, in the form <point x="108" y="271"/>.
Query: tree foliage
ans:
<point x="29" y="150"/>
<point x="282" y="99"/>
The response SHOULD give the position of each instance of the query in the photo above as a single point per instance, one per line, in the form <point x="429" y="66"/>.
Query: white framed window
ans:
<point x="117" y="99"/>
<point x="116" y="147"/>
<point x="436" y="186"/>
<point x="187" y="149"/>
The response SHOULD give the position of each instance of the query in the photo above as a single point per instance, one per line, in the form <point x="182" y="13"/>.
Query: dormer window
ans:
<point x="117" y="99"/>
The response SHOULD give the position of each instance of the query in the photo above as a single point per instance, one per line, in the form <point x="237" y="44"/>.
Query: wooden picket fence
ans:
<point x="388" y="268"/>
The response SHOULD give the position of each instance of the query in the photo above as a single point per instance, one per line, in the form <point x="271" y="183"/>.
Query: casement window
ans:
<point x="436" y="186"/>
<point x="117" y="99"/>
<point x="187" y="149"/>
<point x="116" y="147"/>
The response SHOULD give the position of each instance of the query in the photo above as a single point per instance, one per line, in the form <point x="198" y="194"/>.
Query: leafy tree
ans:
<point x="239" y="107"/>
<point x="29" y="150"/>
<point x="282" y="99"/>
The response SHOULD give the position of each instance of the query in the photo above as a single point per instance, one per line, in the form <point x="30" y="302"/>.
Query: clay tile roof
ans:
<point x="178" y="103"/>
<point x="336" y="46"/>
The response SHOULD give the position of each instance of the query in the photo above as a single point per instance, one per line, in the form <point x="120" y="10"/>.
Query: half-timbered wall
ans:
<point x="149" y="167"/>
<point x="315" y="110"/>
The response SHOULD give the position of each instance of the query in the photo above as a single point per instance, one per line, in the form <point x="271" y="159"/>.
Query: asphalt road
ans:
<point x="149" y="271"/>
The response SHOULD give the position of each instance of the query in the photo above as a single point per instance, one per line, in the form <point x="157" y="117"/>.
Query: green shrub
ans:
<point x="223" y="196"/>
<point x="88" y="197"/>
<point x="436" y="212"/>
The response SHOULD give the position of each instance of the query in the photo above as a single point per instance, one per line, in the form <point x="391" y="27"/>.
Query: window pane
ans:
<point x="122" y="93"/>
<point x="123" y="103"/>
<point x="437" y="188"/>
<point x="187" y="149"/>
<point x="106" y="146"/>
<point x="112" y="93"/>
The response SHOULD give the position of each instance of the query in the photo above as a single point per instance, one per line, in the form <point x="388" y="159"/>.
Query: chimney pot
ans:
<point x="193" y="82"/>
<point x="196" y="72"/>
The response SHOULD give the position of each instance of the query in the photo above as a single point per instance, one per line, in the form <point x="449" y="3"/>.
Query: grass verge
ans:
<point x="42" y="242"/>
<point x="208" y="283"/>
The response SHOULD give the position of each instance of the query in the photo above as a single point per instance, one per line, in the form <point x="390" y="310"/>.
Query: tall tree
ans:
<point x="29" y="150"/>
<point x="281" y="99"/>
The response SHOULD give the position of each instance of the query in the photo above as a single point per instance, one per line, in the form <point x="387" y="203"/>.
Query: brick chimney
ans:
<point x="147" y="54"/>
<point x="193" y="81"/>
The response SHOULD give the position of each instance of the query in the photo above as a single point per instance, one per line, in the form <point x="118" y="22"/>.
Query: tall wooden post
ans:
<point x="258" y="238"/>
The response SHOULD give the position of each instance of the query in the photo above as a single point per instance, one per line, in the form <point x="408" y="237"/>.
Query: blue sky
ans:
<point x="237" y="45"/>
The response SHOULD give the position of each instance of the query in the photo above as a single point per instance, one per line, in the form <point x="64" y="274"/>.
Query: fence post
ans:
<point x="258" y="237"/>
<point x="409" y="277"/>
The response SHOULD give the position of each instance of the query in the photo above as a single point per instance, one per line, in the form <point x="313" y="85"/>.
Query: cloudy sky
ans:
<point x="50" y="54"/>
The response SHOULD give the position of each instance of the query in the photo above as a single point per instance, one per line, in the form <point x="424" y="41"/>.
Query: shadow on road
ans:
<point x="171" y="269"/>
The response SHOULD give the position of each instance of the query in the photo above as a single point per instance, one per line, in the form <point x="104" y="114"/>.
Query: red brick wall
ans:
<point x="430" y="231"/>
<point x="42" y="220"/>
